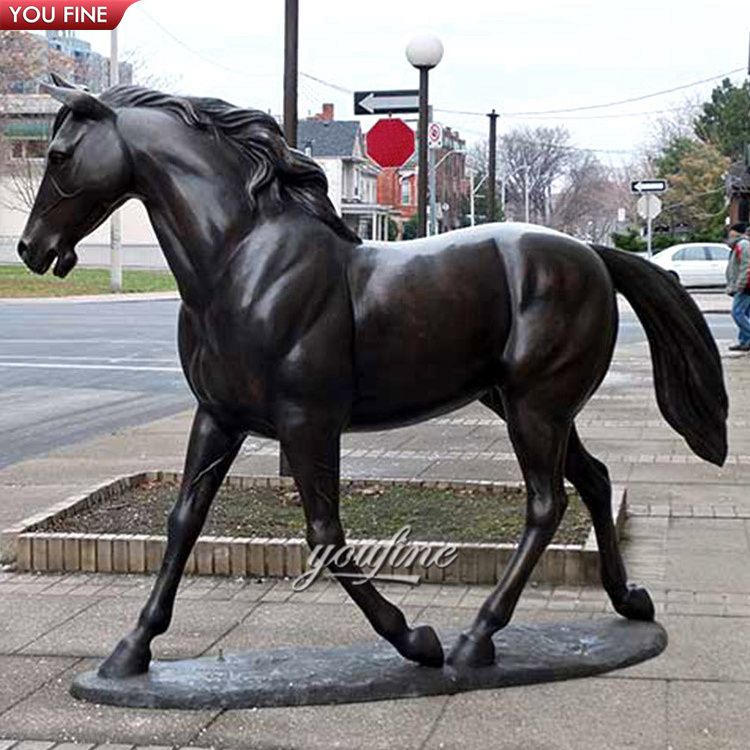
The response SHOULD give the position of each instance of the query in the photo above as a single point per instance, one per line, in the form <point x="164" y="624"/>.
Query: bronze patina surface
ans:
<point x="294" y="329"/>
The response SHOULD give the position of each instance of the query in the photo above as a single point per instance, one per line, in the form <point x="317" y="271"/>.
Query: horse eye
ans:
<point x="58" y="157"/>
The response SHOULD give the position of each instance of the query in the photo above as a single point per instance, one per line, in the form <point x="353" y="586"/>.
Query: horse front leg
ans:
<point x="210" y="453"/>
<point x="312" y="446"/>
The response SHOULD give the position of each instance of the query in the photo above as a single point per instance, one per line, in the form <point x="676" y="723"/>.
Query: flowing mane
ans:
<point x="286" y="174"/>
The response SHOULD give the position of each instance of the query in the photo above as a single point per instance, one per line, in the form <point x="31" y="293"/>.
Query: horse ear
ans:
<point x="78" y="100"/>
<point x="61" y="82"/>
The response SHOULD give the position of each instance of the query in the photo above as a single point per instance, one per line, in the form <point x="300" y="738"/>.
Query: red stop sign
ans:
<point x="390" y="142"/>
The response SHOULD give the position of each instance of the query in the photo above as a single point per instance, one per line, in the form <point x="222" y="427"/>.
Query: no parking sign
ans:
<point x="435" y="135"/>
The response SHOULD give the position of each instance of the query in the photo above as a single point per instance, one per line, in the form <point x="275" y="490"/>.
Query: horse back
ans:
<point x="438" y="322"/>
<point x="431" y="319"/>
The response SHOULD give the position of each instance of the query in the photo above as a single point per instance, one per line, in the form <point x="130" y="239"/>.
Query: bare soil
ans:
<point x="374" y="512"/>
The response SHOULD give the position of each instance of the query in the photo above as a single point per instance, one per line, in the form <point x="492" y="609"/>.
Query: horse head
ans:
<point x="87" y="176"/>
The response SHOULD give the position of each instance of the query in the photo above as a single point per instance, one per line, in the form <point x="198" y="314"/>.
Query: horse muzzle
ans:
<point x="40" y="261"/>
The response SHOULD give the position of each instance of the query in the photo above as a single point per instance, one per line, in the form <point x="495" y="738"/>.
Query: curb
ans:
<point x="88" y="298"/>
<point x="476" y="563"/>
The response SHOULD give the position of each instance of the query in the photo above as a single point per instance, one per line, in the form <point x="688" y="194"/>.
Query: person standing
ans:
<point x="738" y="283"/>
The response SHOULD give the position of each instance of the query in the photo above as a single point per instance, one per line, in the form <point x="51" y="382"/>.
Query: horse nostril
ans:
<point x="23" y="251"/>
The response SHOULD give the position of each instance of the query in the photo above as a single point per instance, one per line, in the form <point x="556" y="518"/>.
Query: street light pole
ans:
<point x="492" y="169"/>
<point x="423" y="52"/>
<point x="471" y="197"/>
<point x="423" y="162"/>
<point x="291" y="47"/>
<point x="115" y="221"/>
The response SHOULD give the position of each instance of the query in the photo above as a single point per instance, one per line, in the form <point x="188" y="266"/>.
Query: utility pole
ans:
<point x="115" y="221"/>
<point x="291" y="47"/>
<point x="492" y="169"/>
<point x="291" y="56"/>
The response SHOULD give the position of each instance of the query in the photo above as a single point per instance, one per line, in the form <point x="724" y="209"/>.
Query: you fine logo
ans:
<point x="62" y="15"/>
<point x="397" y="552"/>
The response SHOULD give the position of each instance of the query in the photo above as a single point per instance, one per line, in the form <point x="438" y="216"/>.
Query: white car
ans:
<point x="696" y="263"/>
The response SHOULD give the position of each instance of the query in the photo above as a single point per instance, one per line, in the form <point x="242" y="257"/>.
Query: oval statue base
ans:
<point x="526" y="654"/>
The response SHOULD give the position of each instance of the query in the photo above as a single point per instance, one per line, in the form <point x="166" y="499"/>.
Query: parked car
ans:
<point x="696" y="263"/>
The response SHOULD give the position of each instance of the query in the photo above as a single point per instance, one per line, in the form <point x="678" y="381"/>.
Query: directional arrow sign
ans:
<point x="385" y="102"/>
<point x="648" y="186"/>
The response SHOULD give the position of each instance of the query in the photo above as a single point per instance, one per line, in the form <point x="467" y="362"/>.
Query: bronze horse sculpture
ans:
<point x="293" y="328"/>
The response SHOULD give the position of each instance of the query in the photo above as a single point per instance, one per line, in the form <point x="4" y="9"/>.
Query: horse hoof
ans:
<point x="636" y="605"/>
<point x="127" y="660"/>
<point x="472" y="652"/>
<point x="422" y="646"/>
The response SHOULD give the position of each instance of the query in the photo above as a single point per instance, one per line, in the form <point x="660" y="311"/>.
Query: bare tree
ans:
<point x="587" y="206"/>
<point x="24" y="59"/>
<point x="541" y="155"/>
<point x="143" y="75"/>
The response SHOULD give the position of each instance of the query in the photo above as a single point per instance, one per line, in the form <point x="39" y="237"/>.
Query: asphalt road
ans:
<point x="69" y="372"/>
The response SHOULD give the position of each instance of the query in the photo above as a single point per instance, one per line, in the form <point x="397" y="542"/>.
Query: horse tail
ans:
<point x="687" y="368"/>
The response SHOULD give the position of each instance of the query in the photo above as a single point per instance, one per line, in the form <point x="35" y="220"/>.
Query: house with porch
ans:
<point x="339" y="148"/>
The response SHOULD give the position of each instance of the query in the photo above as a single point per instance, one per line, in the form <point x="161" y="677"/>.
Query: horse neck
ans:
<point x="193" y="190"/>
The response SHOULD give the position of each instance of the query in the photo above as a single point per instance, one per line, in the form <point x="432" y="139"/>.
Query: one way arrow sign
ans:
<point x="648" y="186"/>
<point x="385" y="102"/>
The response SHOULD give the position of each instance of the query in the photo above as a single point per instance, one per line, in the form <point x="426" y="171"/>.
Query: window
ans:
<point x="691" y="253"/>
<point x="36" y="149"/>
<point x="405" y="193"/>
<point x="718" y="253"/>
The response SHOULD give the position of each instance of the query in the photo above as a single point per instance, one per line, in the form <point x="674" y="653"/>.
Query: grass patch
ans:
<point x="18" y="281"/>
<point x="374" y="512"/>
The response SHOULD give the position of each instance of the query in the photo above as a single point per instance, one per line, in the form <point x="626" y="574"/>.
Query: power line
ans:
<point x="634" y="98"/>
<point x="345" y="90"/>
<point x="595" y="117"/>
<point x="335" y="86"/>
<point x="599" y="106"/>
<point x="243" y="73"/>
<point x="200" y="54"/>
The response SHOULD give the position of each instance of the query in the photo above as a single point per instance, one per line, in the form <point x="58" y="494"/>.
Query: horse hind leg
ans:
<point x="540" y="442"/>
<point x="591" y="478"/>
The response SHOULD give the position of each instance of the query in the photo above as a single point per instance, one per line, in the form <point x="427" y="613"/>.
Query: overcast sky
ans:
<point x="516" y="57"/>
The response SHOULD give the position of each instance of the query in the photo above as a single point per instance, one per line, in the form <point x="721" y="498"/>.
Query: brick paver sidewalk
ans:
<point x="688" y="539"/>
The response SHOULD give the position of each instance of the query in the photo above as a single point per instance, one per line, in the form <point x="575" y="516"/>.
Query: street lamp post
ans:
<point x="424" y="52"/>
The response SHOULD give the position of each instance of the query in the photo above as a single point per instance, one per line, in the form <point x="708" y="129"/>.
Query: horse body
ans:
<point x="357" y="305"/>
<point x="292" y="328"/>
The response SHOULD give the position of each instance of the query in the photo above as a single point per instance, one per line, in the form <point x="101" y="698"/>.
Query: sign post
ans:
<point x="649" y="207"/>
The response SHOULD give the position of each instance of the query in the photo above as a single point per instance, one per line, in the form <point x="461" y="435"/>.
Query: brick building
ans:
<point x="339" y="147"/>
<point x="398" y="187"/>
